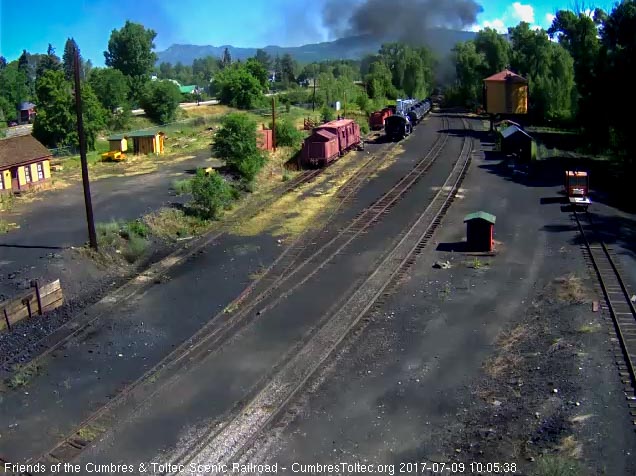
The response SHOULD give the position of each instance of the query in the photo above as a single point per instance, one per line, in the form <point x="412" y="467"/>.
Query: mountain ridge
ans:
<point x="439" y="40"/>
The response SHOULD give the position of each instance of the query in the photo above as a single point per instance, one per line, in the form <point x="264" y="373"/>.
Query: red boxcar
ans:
<point x="329" y="141"/>
<point x="376" y="121"/>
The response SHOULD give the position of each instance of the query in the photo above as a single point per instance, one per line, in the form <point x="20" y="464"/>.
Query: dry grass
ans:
<point x="589" y="328"/>
<point x="501" y="364"/>
<point x="295" y="212"/>
<point x="90" y="432"/>
<point x="558" y="466"/>
<point x="509" y="340"/>
<point x="571" y="448"/>
<point x="570" y="289"/>
<point x="171" y="224"/>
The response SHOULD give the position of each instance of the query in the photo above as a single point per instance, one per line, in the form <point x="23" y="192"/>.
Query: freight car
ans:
<point x="377" y="118"/>
<point x="417" y="112"/>
<point x="330" y="141"/>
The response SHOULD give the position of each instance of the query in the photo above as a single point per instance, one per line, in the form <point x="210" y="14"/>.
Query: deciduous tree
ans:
<point x="130" y="50"/>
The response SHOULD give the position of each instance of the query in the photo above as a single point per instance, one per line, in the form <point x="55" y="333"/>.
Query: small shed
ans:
<point x="141" y="142"/>
<point x="479" y="231"/>
<point x="26" y="112"/>
<point x="24" y="164"/>
<point x="515" y="140"/>
<point x="118" y="142"/>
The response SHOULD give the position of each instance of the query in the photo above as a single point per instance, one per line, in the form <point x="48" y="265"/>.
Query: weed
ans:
<point x="477" y="263"/>
<point x="182" y="187"/>
<point x="135" y="248"/>
<point x="589" y="328"/>
<point x="558" y="466"/>
<point x="171" y="224"/>
<point x="4" y="226"/>
<point x="135" y="227"/>
<point x="286" y="177"/>
<point x="570" y="289"/>
<point x="107" y="232"/>
<point x="89" y="432"/>
<point x="6" y="202"/>
<point x="23" y="375"/>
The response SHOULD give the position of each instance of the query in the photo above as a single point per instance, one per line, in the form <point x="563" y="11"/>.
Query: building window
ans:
<point x="40" y="171"/>
<point x="1" y="180"/>
<point x="27" y="173"/>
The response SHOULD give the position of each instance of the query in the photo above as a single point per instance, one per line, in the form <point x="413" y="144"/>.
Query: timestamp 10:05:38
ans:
<point x="457" y="468"/>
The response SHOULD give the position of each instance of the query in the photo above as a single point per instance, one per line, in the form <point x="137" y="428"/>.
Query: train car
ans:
<point x="397" y="127"/>
<point x="577" y="184"/>
<point x="377" y="118"/>
<point x="330" y="141"/>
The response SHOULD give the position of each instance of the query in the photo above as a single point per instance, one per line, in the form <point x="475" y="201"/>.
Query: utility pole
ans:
<point x="274" y="123"/>
<point x="313" y="103"/>
<point x="92" y="237"/>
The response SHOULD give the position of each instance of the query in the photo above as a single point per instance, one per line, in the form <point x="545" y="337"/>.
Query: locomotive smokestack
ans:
<point x="405" y="20"/>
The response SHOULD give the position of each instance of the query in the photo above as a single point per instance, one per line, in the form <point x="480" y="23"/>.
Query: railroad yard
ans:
<point x="370" y="335"/>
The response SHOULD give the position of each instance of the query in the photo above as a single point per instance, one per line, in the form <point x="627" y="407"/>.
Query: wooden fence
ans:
<point x="37" y="301"/>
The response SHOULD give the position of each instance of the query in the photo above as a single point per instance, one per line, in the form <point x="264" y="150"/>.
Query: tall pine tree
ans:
<point x="69" y="58"/>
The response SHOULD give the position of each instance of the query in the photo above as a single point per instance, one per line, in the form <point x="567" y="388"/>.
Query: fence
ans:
<point x="38" y="300"/>
<point x="64" y="151"/>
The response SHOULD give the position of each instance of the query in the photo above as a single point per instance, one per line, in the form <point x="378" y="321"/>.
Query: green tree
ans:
<point x="235" y="142"/>
<point x="379" y="81"/>
<point x="110" y="86"/>
<point x="161" y="100"/>
<point x="130" y="50"/>
<point x="68" y="58"/>
<point x="495" y="50"/>
<point x="54" y="122"/>
<point x="204" y="69"/>
<point x="264" y="59"/>
<point x="236" y="87"/>
<point x="257" y="70"/>
<point x="14" y="86"/>
<point x="288" y="68"/>
<point x="469" y="65"/>
<point x="50" y="61"/>
<point x="227" y="58"/>
<point x="166" y="71"/>
<point x="286" y="134"/>
<point x="94" y="116"/>
<point x="211" y="194"/>
<point x="3" y="62"/>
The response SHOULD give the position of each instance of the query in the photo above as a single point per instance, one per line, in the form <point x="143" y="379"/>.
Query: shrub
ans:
<point x="107" y="232"/>
<point x="134" y="228"/>
<point x="135" y="247"/>
<point x="326" y="114"/>
<point x="210" y="194"/>
<point x="287" y="134"/>
<point x="364" y="127"/>
<point x="235" y="142"/>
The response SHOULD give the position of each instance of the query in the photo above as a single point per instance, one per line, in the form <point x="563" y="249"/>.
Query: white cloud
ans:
<point x="520" y="12"/>
<point x="549" y="18"/>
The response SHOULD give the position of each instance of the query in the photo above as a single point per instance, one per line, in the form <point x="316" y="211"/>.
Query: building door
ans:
<point x="14" y="179"/>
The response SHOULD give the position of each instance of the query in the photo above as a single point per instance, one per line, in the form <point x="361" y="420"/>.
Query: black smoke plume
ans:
<point x="397" y="19"/>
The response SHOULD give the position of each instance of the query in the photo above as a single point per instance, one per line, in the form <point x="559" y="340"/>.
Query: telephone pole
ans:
<point x="92" y="237"/>
<point x="274" y="123"/>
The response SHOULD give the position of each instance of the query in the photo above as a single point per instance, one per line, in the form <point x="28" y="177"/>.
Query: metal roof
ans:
<point x="325" y="134"/>
<point x="134" y="134"/>
<point x="506" y="75"/>
<point x="481" y="215"/>
<point x="509" y="131"/>
<point x="187" y="89"/>
<point x="26" y="105"/>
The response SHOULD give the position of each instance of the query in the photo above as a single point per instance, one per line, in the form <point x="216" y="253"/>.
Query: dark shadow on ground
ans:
<point x="458" y="247"/>
<point x="29" y="247"/>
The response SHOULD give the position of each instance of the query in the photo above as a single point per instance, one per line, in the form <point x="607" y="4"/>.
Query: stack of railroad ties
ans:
<point x="333" y="139"/>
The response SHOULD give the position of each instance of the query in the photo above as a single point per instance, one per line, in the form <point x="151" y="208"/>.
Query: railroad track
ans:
<point x="226" y="444"/>
<point x="618" y="303"/>
<point x="221" y="327"/>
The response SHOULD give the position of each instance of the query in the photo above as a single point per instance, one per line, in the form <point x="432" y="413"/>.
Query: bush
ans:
<point x="364" y="127"/>
<point x="235" y="142"/>
<point x="160" y="101"/>
<point x="287" y="134"/>
<point x="107" y="232"/>
<point x="211" y="194"/>
<point x="135" y="248"/>
<point x="134" y="228"/>
<point x="326" y="114"/>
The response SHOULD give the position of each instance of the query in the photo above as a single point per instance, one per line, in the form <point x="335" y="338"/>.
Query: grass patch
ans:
<point x="558" y="466"/>
<point x="134" y="249"/>
<point x="7" y="201"/>
<point x="171" y="224"/>
<point x="182" y="186"/>
<point x="589" y="328"/>
<point x="570" y="289"/>
<point x="23" y="375"/>
<point x="107" y="232"/>
<point x="90" y="432"/>
<point x="135" y="228"/>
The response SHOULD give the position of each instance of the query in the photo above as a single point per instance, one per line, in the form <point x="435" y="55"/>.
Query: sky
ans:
<point x="33" y="24"/>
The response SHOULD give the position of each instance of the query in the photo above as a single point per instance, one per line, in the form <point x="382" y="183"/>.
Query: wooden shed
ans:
<point x="479" y="231"/>
<point x="24" y="164"/>
<point x="516" y="141"/>
<point x="506" y="93"/>
<point x="141" y="142"/>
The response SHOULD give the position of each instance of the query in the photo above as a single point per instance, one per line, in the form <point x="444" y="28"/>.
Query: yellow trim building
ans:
<point x="24" y="164"/>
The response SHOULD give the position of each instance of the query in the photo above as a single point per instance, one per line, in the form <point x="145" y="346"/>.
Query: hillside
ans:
<point x="439" y="40"/>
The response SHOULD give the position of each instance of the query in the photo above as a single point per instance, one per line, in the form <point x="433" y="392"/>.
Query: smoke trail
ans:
<point x="398" y="19"/>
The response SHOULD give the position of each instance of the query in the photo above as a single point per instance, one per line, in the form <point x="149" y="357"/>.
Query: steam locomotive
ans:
<point x="409" y="112"/>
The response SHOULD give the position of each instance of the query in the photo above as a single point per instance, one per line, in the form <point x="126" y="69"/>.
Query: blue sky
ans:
<point x="32" y="24"/>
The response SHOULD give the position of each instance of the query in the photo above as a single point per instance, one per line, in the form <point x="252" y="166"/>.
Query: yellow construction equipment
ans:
<point x="113" y="156"/>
